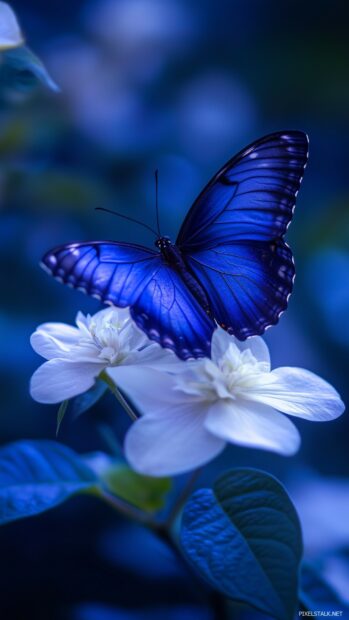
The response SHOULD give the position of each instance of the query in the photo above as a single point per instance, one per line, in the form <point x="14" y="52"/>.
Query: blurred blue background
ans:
<point x="178" y="85"/>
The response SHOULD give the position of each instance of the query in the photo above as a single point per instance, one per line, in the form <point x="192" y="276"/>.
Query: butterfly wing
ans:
<point x="248" y="284"/>
<point x="130" y="275"/>
<point x="169" y="314"/>
<point x="232" y="237"/>
<point x="115" y="273"/>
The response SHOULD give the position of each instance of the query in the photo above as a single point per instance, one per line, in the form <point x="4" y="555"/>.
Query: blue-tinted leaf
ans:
<point x="85" y="401"/>
<point x="316" y="593"/>
<point x="21" y="70"/>
<point x="38" y="475"/>
<point x="244" y="537"/>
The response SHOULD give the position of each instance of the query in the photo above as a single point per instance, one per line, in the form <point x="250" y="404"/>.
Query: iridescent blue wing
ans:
<point x="248" y="284"/>
<point x="168" y="312"/>
<point x="232" y="237"/>
<point x="115" y="273"/>
<point x="130" y="275"/>
<point x="252" y="197"/>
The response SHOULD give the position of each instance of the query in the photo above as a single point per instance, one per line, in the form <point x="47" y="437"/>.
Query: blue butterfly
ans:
<point x="229" y="266"/>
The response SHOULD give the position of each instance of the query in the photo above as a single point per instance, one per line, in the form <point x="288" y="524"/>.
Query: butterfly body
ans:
<point x="229" y="266"/>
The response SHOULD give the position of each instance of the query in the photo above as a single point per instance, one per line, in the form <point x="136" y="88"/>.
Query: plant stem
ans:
<point x="119" y="397"/>
<point x="123" y="402"/>
<point x="182" y="497"/>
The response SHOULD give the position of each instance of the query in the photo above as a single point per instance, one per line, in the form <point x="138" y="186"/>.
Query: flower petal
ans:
<point x="221" y="341"/>
<point x="10" y="33"/>
<point x="300" y="393"/>
<point x="253" y="425"/>
<point x="54" y="339"/>
<point x="171" y="443"/>
<point x="150" y="390"/>
<point x="58" y="380"/>
<point x="154" y="356"/>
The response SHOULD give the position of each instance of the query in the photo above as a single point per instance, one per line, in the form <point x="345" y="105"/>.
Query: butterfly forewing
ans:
<point x="232" y="237"/>
<point x="112" y="272"/>
<point x="252" y="197"/>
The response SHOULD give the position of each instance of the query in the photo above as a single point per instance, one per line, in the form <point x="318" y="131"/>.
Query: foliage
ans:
<point x="22" y="71"/>
<point x="38" y="475"/>
<point x="244" y="537"/>
<point x="143" y="491"/>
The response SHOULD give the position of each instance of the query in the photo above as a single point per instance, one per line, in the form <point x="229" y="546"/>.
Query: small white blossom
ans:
<point x="234" y="397"/>
<point x="108" y="341"/>
<point x="10" y="32"/>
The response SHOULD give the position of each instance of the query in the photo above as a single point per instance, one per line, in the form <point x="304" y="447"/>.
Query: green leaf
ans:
<point x="144" y="492"/>
<point x="21" y="70"/>
<point x="244" y="538"/>
<point x="36" y="476"/>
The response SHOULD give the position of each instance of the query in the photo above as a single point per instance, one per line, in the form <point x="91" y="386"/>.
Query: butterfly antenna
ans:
<point x="126" y="217"/>
<point x="157" y="201"/>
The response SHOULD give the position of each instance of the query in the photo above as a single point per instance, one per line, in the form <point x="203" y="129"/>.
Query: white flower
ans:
<point x="109" y="341"/>
<point x="235" y="397"/>
<point x="10" y="32"/>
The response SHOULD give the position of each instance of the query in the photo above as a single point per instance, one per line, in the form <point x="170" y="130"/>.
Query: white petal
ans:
<point x="54" y="339"/>
<point x="150" y="390"/>
<point x="10" y="33"/>
<point x="171" y="443"/>
<point x="62" y="331"/>
<point x="82" y="322"/>
<point x="253" y="425"/>
<point x="258" y="348"/>
<point x="154" y="356"/>
<point x="300" y="393"/>
<point x="221" y="341"/>
<point x="58" y="380"/>
<point x="135" y="338"/>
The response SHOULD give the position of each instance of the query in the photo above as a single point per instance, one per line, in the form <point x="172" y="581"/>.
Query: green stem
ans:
<point x="182" y="497"/>
<point x="119" y="397"/>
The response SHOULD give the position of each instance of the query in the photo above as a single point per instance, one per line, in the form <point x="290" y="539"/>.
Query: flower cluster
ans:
<point x="189" y="410"/>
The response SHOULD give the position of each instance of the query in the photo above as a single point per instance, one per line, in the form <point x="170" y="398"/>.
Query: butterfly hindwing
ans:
<point x="131" y="275"/>
<point x="248" y="284"/>
<point x="169" y="314"/>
